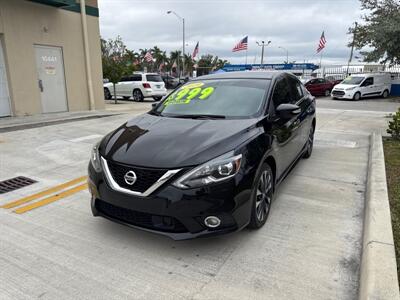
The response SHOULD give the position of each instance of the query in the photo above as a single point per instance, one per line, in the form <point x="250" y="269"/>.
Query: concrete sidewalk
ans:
<point x="26" y="122"/>
<point x="310" y="247"/>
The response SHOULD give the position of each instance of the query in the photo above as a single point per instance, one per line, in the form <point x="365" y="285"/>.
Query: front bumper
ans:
<point x="342" y="94"/>
<point x="173" y="212"/>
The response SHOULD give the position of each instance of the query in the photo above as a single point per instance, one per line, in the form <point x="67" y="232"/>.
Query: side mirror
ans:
<point x="153" y="105"/>
<point x="287" y="110"/>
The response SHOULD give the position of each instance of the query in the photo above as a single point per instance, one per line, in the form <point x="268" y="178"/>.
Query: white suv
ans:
<point x="363" y="85"/>
<point x="138" y="86"/>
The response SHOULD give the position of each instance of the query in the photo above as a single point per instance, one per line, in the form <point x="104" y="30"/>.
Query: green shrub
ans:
<point x="394" y="126"/>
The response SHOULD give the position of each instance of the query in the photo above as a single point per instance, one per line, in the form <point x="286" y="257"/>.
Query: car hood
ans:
<point x="344" y="86"/>
<point x="162" y="142"/>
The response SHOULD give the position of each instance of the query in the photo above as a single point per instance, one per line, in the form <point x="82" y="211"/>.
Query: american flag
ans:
<point x="242" y="45"/>
<point x="196" y="50"/>
<point x="148" y="57"/>
<point x="322" y="42"/>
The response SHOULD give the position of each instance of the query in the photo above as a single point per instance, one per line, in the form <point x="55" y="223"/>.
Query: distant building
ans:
<point x="42" y="57"/>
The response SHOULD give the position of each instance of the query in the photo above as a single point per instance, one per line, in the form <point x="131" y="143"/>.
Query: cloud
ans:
<point x="219" y="25"/>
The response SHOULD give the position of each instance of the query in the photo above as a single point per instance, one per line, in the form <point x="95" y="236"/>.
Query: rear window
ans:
<point x="154" y="78"/>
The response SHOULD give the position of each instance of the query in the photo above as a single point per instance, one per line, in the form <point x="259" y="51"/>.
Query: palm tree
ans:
<point x="175" y="57"/>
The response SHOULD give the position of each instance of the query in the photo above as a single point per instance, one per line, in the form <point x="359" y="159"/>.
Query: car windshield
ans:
<point x="154" y="78"/>
<point x="353" y="80"/>
<point x="221" y="98"/>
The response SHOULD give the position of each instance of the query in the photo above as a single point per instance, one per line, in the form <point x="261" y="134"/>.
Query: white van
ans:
<point x="363" y="85"/>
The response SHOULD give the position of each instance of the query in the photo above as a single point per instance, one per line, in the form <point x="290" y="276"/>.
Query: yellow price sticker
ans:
<point x="188" y="92"/>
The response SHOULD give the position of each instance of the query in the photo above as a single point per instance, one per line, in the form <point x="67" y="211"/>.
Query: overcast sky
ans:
<point x="218" y="25"/>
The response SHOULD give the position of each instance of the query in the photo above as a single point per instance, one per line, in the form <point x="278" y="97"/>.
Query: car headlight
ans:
<point x="350" y="88"/>
<point x="218" y="169"/>
<point x="95" y="158"/>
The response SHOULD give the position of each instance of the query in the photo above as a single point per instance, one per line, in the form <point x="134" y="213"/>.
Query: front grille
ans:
<point x="338" y="93"/>
<point x="145" y="177"/>
<point x="140" y="219"/>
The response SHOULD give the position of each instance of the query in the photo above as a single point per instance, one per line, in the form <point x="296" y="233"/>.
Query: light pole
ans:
<point x="183" y="38"/>
<point x="262" y="50"/>
<point x="287" y="53"/>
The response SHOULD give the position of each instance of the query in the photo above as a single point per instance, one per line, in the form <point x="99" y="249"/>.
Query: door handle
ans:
<point x="40" y="82"/>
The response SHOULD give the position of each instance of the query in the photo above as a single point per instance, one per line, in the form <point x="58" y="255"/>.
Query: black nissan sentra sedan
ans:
<point x="208" y="158"/>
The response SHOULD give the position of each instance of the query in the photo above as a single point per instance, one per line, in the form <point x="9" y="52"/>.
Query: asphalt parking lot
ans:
<point x="309" y="248"/>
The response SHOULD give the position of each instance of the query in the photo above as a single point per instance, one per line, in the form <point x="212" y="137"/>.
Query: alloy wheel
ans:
<point x="137" y="95"/>
<point x="263" y="195"/>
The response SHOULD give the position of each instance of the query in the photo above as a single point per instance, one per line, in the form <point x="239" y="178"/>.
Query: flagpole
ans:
<point x="320" y="64"/>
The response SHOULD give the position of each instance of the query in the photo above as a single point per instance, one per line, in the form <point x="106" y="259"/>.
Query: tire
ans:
<point x="385" y="94"/>
<point x="137" y="95"/>
<point x="262" y="196"/>
<point x="357" y="96"/>
<point x="327" y="93"/>
<point x="107" y="94"/>
<point x="126" y="97"/>
<point x="157" y="98"/>
<point x="310" y="143"/>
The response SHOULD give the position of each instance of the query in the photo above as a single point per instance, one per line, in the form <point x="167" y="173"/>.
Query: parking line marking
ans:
<point x="51" y="199"/>
<point x="43" y="193"/>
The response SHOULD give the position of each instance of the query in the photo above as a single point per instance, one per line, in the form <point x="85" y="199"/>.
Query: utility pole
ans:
<point x="287" y="53"/>
<point x="183" y="38"/>
<point x="262" y="45"/>
<point x="352" y="48"/>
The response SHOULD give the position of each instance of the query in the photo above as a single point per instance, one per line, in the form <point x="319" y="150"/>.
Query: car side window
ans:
<point x="313" y="81"/>
<point x="295" y="90"/>
<point x="137" y="78"/>
<point x="123" y="79"/>
<point x="281" y="92"/>
<point x="321" y="80"/>
<point x="368" y="81"/>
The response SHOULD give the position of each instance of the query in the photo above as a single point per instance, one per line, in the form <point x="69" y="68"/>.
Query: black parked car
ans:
<point x="171" y="82"/>
<point x="208" y="158"/>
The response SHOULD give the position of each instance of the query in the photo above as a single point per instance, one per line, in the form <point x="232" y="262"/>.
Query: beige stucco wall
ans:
<point x="24" y="24"/>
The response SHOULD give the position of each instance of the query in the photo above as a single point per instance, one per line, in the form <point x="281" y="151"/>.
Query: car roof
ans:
<point x="143" y="73"/>
<point x="244" y="75"/>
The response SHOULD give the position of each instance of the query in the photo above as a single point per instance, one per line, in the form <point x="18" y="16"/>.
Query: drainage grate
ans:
<point x="15" y="183"/>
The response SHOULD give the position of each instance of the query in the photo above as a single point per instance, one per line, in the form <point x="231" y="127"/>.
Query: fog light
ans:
<point x="212" y="221"/>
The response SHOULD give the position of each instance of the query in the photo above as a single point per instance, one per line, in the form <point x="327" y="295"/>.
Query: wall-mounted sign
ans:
<point x="50" y="70"/>
<point x="49" y="58"/>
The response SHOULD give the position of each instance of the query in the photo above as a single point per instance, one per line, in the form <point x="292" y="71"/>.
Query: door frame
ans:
<point x="10" y="102"/>
<point x="65" y="77"/>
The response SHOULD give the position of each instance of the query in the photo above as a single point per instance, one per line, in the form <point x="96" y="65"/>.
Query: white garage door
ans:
<point x="4" y="95"/>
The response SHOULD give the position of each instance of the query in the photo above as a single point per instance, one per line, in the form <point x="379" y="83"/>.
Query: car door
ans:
<point x="285" y="131"/>
<point x="120" y="86"/>
<point x="136" y="82"/>
<point x="367" y="88"/>
<point x="323" y="85"/>
<point x="302" y="100"/>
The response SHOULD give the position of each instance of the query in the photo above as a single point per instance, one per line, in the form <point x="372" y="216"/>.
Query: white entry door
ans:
<point x="4" y="94"/>
<point x="51" y="81"/>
